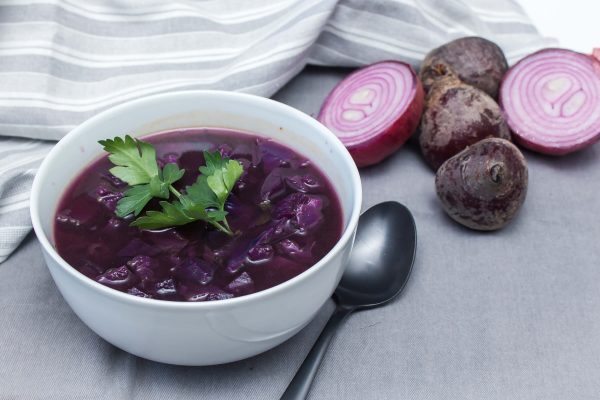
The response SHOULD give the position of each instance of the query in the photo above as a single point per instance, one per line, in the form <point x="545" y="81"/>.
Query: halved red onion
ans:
<point x="374" y="110"/>
<point x="596" y="57"/>
<point x="551" y="101"/>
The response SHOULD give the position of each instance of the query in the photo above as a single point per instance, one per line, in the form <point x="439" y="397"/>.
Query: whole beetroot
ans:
<point x="483" y="186"/>
<point x="476" y="61"/>
<point x="457" y="115"/>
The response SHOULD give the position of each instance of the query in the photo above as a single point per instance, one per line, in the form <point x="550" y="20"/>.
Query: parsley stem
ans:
<point x="226" y="224"/>
<point x="221" y="228"/>
<point x="174" y="191"/>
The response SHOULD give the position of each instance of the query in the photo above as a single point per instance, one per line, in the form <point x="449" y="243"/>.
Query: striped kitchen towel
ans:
<point x="62" y="61"/>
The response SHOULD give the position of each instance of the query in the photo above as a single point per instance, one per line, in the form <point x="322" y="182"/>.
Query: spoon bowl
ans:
<point x="382" y="257"/>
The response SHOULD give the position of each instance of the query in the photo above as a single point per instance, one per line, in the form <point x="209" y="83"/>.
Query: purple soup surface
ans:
<point x="284" y="211"/>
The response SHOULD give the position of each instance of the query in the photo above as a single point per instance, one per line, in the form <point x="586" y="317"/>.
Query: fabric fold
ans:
<point x="63" y="61"/>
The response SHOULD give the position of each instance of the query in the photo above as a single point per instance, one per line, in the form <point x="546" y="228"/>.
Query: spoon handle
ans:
<point x="300" y="385"/>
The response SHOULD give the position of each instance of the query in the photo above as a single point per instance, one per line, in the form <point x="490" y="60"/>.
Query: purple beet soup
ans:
<point x="284" y="211"/>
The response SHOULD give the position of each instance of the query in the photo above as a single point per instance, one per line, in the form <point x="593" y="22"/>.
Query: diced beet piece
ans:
<point x="168" y="241"/>
<point x="247" y="212"/>
<point x="279" y="230"/>
<point x="292" y="249"/>
<point x="65" y="219"/>
<point x="113" y="223"/>
<point x="83" y="213"/>
<point x="107" y="197"/>
<point x="194" y="270"/>
<point x="143" y="266"/>
<point x="245" y="151"/>
<point x="203" y="293"/>
<point x="260" y="253"/>
<point x="218" y="296"/>
<point x="137" y="292"/>
<point x="303" y="183"/>
<point x="241" y="285"/>
<point x="236" y="255"/>
<point x="288" y="247"/>
<point x="117" y="277"/>
<point x="273" y="186"/>
<point x="304" y="210"/>
<point x="225" y="150"/>
<point x="211" y="296"/>
<point x="274" y="156"/>
<point x="166" y="287"/>
<point x="170" y="158"/>
<point x="309" y="214"/>
<point x="113" y="180"/>
<point x="236" y="263"/>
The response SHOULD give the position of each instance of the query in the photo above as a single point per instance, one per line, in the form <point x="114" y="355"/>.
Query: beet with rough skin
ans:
<point x="475" y="60"/>
<point x="483" y="186"/>
<point x="457" y="115"/>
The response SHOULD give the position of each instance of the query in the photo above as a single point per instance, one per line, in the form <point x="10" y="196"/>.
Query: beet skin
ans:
<point x="457" y="115"/>
<point x="476" y="61"/>
<point x="483" y="186"/>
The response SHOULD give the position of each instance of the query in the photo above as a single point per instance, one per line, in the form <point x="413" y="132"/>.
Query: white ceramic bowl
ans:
<point x="210" y="332"/>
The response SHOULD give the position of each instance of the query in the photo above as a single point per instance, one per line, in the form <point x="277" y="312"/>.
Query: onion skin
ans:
<point x="400" y="127"/>
<point x="527" y="113"/>
<point x="457" y="115"/>
<point x="484" y="186"/>
<point x="476" y="61"/>
<point x="596" y="57"/>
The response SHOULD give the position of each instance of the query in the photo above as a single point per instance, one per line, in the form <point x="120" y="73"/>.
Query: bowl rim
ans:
<point x="55" y="152"/>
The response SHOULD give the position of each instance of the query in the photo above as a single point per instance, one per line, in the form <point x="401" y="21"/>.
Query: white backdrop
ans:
<point x="574" y="23"/>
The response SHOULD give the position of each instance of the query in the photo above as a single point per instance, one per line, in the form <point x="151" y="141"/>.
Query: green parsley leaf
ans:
<point x="136" y="164"/>
<point x="216" y="184"/>
<point x="135" y="160"/>
<point x="232" y="172"/>
<point x="197" y="204"/>
<point x="200" y="202"/>
<point x="200" y="193"/>
<point x="214" y="162"/>
<point x="172" y="214"/>
<point x="134" y="201"/>
<point x="171" y="173"/>
<point x="221" y="175"/>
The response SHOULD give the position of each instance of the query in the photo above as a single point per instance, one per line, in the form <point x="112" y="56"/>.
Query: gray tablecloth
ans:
<point x="507" y="315"/>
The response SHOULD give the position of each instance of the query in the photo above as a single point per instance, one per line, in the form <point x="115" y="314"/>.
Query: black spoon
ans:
<point x="379" y="266"/>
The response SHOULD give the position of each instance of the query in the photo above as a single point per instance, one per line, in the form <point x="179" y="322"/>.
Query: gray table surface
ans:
<point x="510" y="314"/>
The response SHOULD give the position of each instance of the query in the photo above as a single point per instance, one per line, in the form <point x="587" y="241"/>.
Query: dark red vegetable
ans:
<point x="374" y="110"/>
<point x="457" y="115"/>
<point x="475" y="60"/>
<point x="484" y="186"/>
<point x="551" y="101"/>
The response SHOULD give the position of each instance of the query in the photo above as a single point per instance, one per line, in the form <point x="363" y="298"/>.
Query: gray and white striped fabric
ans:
<point x="62" y="61"/>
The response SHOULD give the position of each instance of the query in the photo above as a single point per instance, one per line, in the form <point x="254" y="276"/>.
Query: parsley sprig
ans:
<point x="135" y="163"/>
